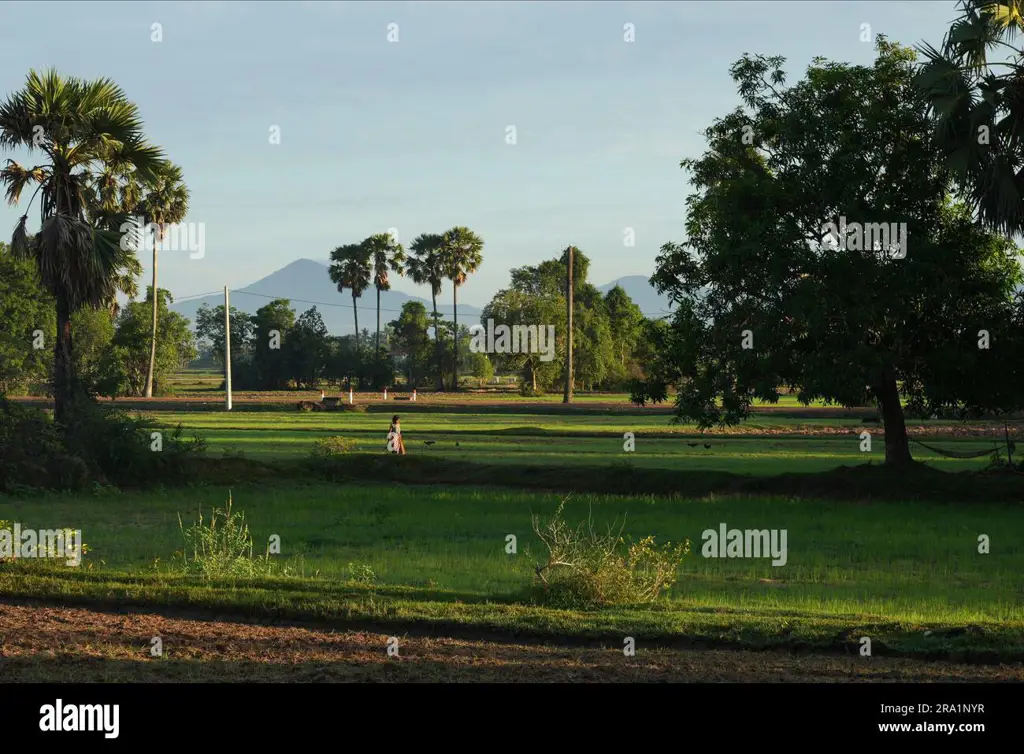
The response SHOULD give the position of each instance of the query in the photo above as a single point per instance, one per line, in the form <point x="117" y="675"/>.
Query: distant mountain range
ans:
<point x="305" y="284"/>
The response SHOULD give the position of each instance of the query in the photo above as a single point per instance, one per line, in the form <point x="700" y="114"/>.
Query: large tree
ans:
<point x="210" y="333"/>
<point x="126" y="364"/>
<point x="272" y="326"/>
<point x="76" y="127"/>
<point x="767" y="296"/>
<point x="412" y="341"/>
<point x="350" y="269"/>
<point x="462" y="252"/>
<point x="164" y="204"/>
<point x="974" y="86"/>
<point x="386" y="256"/>
<point x="426" y="267"/>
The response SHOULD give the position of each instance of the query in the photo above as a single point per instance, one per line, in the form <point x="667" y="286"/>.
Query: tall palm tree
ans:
<point x="165" y="204"/>
<point x="350" y="268"/>
<point x="386" y="255"/>
<point x="976" y="102"/>
<point x="77" y="127"/>
<point x="426" y="267"/>
<point x="462" y="254"/>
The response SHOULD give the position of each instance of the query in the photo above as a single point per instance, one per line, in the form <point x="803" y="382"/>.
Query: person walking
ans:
<point x="395" y="442"/>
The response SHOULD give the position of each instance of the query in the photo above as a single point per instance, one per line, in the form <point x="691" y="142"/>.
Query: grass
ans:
<point x="888" y="571"/>
<point x="764" y="447"/>
<point x="416" y="544"/>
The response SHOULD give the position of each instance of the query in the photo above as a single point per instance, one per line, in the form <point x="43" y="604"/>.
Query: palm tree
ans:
<point x="78" y="127"/>
<point x="165" y="204"/>
<point x="979" y="124"/>
<point x="426" y="267"/>
<point x="386" y="255"/>
<point x="116" y="194"/>
<point x="461" y="252"/>
<point x="350" y="269"/>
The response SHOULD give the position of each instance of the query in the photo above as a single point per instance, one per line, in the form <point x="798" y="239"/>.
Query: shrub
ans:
<point x="585" y="568"/>
<point x="360" y="574"/>
<point x="330" y="447"/>
<point x="221" y="547"/>
<point x="118" y="448"/>
<point x="44" y="558"/>
<point x="32" y="452"/>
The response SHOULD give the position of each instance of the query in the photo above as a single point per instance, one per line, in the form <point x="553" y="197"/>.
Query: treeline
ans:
<point x="111" y="344"/>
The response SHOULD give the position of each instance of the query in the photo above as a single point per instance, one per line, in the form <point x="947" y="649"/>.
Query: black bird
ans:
<point x="706" y="445"/>
<point x="456" y="445"/>
<point x="429" y="442"/>
<point x="693" y="444"/>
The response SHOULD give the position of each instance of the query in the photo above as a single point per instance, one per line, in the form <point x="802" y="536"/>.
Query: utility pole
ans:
<point x="227" y="347"/>
<point x="567" y="396"/>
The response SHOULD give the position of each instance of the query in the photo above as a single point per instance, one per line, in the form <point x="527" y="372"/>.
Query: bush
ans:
<point x="32" y="452"/>
<point x="330" y="447"/>
<point x="586" y="569"/>
<point x="527" y="391"/>
<point x="122" y="450"/>
<point x="95" y="446"/>
<point x="222" y="547"/>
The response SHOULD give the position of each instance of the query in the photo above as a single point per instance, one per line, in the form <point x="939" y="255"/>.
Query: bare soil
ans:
<point x="58" y="644"/>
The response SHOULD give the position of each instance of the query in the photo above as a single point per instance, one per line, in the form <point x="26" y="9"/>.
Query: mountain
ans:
<point x="651" y="303"/>
<point x="305" y="283"/>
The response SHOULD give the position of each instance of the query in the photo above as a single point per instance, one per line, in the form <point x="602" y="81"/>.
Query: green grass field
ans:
<point x="890" y="571"/>
<point x="887" y="571"/>
<point x="764" y="446"/>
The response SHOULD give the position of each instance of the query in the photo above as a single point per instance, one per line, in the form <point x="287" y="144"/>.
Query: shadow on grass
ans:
<point x="864" y="483"/>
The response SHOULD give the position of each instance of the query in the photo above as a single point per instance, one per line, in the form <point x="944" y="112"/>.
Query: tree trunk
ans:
<point x="437" y="344"/>
<point x="152" y="346"/>
<point x="377" y="347"/>
<point x="455" y="336"/>
<point x="63" y="368"/>
<point x="355" y="316"/>
<point x="897" y="446"/>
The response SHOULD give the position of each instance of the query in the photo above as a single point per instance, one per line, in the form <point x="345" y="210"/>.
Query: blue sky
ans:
<point x="412" y="134"/>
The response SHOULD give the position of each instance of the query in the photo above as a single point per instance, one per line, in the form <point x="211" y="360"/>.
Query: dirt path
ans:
<point x="53" y="644"/>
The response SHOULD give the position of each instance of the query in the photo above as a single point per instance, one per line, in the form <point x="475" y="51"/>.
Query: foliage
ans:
<point x="329" y="447"/>
<point x="25" y="306"/>
<point x="764" y="298"/>
<point x="461" y="255"/>
<point x="127" y="358"/>
<point x="586" y="568"/>
<point x="221" y="547"/>
<point x="210" y="333"/>
<point x="308" y="350"/>
<point x="412" y="341"/>
<point x="975" y="104"/>
<point x="270" y="369"/>
<point x="75" y="129"/>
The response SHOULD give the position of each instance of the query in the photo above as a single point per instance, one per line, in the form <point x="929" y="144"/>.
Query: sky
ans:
<point x="412" y="132"/>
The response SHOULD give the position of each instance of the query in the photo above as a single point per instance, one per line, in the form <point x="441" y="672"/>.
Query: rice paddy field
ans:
<point x="397" y="549"/>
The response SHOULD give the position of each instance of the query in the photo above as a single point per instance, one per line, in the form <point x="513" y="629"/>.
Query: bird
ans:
<point x="693" y="444"/>
<point x="456" y="445"/>
<point x="706" y="445"/>
<point x="429" y="442"/>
